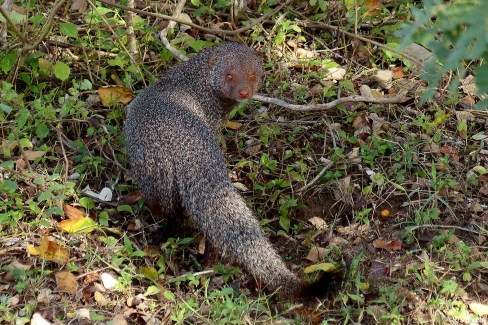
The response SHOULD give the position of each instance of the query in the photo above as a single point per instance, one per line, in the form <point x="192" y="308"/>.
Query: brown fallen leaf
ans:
<point x="315" y="254"/>
<point x="49" y="250"/>
<point x="393" y="245"/>
<point x="33" y="155"/>
<point x="12" y="267"/>
<point x="72" y="212"/>
<point x="115" y="94"/>
<point x="66" y="282"/>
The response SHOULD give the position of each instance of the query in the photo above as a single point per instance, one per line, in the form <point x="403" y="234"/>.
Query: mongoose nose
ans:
<point x="244" y="93"/>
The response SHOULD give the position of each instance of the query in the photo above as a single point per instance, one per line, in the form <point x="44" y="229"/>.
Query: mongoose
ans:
<point x="171" y="132"/>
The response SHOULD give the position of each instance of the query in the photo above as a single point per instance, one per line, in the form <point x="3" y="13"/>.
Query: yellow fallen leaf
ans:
<point x="115" y="94"/>
<point x="50" y="251"/>
<point x="326" y="267"/>
<point x="233" y="125"/>
<point x="81" y="225"/>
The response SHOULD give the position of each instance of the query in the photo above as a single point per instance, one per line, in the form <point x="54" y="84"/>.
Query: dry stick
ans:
<point x="483" y="232"/>
<point x="11" y="24"/>
<point x="164" y="33"/>
<point x="316" y="178"/>
<point x="207" y="30"/>
<point x="66" y="161"/>
<point x="399" y="98"/>
<point x="46" y="28"/>
<point x="121" y="44"/>
<point x="130" y="33"/>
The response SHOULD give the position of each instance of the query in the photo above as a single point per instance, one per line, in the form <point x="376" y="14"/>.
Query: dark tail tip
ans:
<point x="327" y="286"/>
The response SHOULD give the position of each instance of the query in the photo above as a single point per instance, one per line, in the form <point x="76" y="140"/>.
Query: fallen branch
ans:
<point x="399" y="98"/>
<point x="316" y="178"/>
<point x="163" y="35"/>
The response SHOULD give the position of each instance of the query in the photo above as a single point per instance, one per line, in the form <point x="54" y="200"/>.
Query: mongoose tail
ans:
<point x="230" y="225"/>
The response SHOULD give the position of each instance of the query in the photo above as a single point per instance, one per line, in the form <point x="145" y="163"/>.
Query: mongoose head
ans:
<point x="235" y="72"/>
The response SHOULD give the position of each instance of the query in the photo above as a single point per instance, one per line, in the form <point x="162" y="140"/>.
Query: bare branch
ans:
<point x="399" y="98"/>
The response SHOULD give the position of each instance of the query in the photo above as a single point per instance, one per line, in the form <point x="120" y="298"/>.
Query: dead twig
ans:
<point x="316" y="178"/>
<point x="399" y="98"/>
<point x="164" y="33"/>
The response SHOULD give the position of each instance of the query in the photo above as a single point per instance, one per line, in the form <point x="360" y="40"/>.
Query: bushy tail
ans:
<point x="230" y="225"/>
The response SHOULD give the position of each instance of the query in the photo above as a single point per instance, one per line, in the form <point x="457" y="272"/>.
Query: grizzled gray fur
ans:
<point x="177" y="162"/>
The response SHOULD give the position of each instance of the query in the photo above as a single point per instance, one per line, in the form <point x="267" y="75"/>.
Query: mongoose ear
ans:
<point x="213" y="59"/>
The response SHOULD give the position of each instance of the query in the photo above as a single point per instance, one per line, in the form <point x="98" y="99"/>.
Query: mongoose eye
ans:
<point x="229" y="77"/>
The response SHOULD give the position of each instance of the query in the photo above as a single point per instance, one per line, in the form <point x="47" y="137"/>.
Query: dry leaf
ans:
<point x="233" y="125"/>
<point x="336" y="73"/>
<point x="81" y="225"/>
<point x="49" y="250"/>
<point x="79" y="5"/>
<point x="100" y="299"/>
<point x="15" y="265"/>
<point x="115" y="94"/>
<point x="119" y="319"/>
<point x="326" y="267"/>
<point x="132" y="198"/>
<point x="393" y="245"/>
<point x="72" y="212"/>
<point x="398" y="73"/>
<point x="33" y="155"/>
<point x="66" y="282"/>
<point x="316" y="254"/>
<point x="318" y="223"/>
<point x="20" y="164"/>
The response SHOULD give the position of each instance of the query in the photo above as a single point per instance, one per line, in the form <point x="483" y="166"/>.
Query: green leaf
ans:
<point x="15" y="17"/>
<point x="7" y="61"/>
<point x="169" y="296"/>
<point x="285" y="223"/>
<point x="68" y="29"/>
<point x="125" y="208"/>
<point x="42" y="130"/>
<point x="9" y="186"/>
<point x="87" y="203"/>
<point x="7" y="109"/>
<point x="103" y="219"/>
<point x="44" y="196"/>
<point x="61" y="71"/>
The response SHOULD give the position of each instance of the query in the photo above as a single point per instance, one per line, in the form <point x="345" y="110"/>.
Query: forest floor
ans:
<point x="392" y="190"/>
